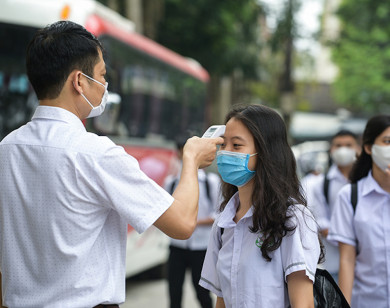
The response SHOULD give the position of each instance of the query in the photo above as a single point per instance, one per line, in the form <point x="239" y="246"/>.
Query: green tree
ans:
<point x="362" y="54"/>
<point x="221" y="35"/>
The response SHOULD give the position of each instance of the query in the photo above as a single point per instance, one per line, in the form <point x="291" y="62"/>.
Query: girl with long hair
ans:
<point x="361" y="227"/>
<point x="264" y="246"/>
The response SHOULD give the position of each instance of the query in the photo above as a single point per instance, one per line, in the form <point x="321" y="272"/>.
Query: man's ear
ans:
<point x="76" y="81"/>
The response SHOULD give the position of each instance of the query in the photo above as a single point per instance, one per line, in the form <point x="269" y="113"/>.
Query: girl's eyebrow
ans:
<point x="237" y="137"/>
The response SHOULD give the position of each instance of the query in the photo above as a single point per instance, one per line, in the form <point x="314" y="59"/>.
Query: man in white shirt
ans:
<point x="190" y="253"/>
<point x="344" y="148"/>
<point x="68" y="195"/>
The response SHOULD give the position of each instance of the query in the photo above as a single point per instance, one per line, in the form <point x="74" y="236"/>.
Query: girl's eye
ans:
<point x="236" y="145"/>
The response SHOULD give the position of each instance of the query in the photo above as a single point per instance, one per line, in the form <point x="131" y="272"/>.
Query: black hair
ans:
<point x="374" y="127"/>
<point x="55" y="51"/>
<point x="276" y="184"/>
<point x="344" y="132"/>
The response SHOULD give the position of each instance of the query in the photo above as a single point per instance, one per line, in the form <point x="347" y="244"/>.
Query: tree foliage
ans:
<point x="221" y="35"/>
<point x="362" y="54"/>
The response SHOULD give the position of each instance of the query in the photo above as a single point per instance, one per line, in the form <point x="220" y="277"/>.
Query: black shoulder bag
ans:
<point x="327" y="293"/>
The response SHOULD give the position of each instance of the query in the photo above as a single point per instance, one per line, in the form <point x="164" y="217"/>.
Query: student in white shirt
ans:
<point x="363" y="232"/>
<point x="189" y="254"/>
<point x="264" y="246"/>
<point x="67" y="195"/>
<point x="322" y="194"/>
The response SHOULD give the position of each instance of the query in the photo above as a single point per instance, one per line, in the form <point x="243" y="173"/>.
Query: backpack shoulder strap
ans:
<point x="326" y="188"/>
<point x="173" y="184"/>
<point x="207" y="184"/>
<point x="354" y="196"/>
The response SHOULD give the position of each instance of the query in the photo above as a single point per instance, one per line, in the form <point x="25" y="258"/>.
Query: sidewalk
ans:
<point x="154" y="293"/>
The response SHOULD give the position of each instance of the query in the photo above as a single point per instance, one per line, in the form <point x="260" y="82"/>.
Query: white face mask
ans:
<point x="381" y="156"/>
<point x="98" y="110"/>
<point x="343" y="156"/>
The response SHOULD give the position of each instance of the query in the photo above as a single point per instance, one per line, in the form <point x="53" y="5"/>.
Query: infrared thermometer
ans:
<point x="214" y="131"/>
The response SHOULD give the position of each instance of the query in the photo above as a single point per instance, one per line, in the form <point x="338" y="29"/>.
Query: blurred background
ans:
<point x="176" y="67"/>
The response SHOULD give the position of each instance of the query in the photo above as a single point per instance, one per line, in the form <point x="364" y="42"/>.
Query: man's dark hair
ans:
<point x="344" y="132"/>
<point x="55" y="51"/>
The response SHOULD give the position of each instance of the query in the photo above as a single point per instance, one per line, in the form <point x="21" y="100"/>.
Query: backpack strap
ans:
<point x="326" y="188"/>
<point x="207" y="184"/>
<point x="354" y="196"/>
<point x="171" y="189"/>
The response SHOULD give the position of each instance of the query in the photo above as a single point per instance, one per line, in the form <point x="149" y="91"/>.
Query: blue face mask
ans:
<point x="233" y="167"/>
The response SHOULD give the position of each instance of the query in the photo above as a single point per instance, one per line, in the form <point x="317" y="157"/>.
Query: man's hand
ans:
<point x="201" y="150"/>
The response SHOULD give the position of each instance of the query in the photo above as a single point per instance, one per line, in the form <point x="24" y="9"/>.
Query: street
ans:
<point x="150" y="293"/>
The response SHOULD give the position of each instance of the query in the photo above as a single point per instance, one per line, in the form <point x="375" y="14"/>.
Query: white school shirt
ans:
<point x="237" y="270"/>
<point x="207" y="209"/>
<point x="368" y="229"/>
<point x="308" y="183"/>
<point x="323" y="210"/>
<point x="66" y="199"/>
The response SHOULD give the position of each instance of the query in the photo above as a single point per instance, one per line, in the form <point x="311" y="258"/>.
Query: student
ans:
<point x="190" y="253"/>
<point x="363" y="232"/>
<point x="264" y="247"/>
<point x="67" y="195"/>
<point x="322" y="192"/>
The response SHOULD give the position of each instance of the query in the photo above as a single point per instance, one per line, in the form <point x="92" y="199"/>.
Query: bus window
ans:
<point x="15" y="90"/>
<point x="157" y="99"/>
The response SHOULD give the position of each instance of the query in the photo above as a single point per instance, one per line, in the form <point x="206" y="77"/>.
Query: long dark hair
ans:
<point x="275" y="182"/>
<point x="374" y="127"/>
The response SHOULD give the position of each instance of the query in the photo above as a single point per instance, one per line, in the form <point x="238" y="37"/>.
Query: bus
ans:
<point x="155" y="95"/>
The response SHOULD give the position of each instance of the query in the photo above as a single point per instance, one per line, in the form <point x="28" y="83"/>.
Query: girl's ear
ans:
<point x="367" y="148"/>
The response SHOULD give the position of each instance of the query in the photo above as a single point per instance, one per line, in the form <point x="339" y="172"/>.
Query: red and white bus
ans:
<point x="156" y="94"/>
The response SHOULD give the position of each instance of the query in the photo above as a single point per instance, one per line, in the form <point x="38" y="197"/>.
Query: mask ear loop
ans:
<point x="82" y="95"/>
<point x="247" y="161"/>
<point x="95" y="80"/>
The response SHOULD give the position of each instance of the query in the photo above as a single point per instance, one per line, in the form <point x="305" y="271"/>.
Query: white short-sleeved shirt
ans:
<point x="235" y="269"/>
<point x="66" y="199"/>
<point x="368" y="229"/>
<point x="208" y="205"/>
<point x="323" y="210"/>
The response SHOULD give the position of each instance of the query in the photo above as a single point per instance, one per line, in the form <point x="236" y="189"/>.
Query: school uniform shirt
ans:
<point x="323" y="210"/>
<point x="235" y="269"/>
<point x="368" y="230"/>
<point x="67" y="197"/>
<point x="308" y="183"/>
<point x="207" y="209"/>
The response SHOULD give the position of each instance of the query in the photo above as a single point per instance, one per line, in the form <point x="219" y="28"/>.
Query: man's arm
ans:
<point x="179" y="220"/>
<point x="220" y="303"/>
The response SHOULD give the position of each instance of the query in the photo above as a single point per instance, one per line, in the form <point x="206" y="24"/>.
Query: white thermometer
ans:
<point x="214" y="131"/>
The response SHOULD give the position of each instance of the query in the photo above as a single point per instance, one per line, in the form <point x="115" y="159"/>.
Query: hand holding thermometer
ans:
<point x="214" y="131"/>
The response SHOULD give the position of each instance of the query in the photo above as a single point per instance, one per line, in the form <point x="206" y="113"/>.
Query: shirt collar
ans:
<point x="370" y="185"/>
<point x="59" y="114"/>
<point x="226" y="219"/>
<point x="334" y="172"/>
